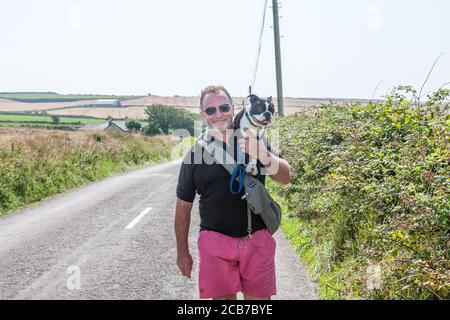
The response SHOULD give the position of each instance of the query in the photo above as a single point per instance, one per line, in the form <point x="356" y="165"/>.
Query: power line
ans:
<point x="276" y="33"/>
<point x="261" y="32"/>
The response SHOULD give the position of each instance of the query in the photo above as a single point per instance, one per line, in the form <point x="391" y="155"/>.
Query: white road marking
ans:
<point x="137" y="219"/>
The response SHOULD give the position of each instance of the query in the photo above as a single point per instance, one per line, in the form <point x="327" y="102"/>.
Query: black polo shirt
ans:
<point x="220" y="210"/>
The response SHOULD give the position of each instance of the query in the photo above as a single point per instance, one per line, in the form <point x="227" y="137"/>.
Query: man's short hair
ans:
<point x="214" y="89"/>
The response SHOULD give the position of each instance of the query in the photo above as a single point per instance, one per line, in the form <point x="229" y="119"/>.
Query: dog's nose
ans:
<point x="267" y="115"/>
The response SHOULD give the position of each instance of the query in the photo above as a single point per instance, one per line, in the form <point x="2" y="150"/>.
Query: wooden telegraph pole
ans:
<point x="276" y="33"/>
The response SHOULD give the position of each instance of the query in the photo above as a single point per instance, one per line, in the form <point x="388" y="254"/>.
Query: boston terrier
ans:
<point x="255" y="117"/>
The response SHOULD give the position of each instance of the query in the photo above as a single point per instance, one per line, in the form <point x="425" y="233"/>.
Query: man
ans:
<point x="229" y="261"/>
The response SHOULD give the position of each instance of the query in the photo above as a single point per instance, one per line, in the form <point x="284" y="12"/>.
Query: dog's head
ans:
<point x="261" y="111"/>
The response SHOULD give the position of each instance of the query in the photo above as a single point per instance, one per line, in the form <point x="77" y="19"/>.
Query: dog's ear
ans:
<point x="270" y="98"/>
<point x="253" y="98"/>
<point x="237" y="119"/>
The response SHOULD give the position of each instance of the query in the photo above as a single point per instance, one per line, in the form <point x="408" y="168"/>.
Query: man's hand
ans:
<point x="252" y="146"/>
<point x="184" y="263"/>
<point x="278" y="169"/>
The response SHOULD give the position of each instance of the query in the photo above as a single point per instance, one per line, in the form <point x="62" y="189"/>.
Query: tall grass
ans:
<point x="35" y="163"/>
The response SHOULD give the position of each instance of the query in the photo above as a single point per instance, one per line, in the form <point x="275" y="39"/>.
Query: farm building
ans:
<point x="114" y="126"/>
<point x="108" y="103"/>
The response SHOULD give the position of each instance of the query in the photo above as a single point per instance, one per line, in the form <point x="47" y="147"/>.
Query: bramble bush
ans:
<point x="371" y="187"/>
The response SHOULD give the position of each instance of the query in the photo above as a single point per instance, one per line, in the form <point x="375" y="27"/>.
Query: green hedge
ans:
<point x="371" y="195"/>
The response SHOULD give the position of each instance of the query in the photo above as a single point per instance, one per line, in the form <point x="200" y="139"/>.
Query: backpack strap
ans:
<point x="249" y="221"/>
<point x="217" y="152"/>
<point x="230" y="165"/>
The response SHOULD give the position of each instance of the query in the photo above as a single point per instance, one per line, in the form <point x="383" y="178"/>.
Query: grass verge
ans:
<point x="35" y="164"/>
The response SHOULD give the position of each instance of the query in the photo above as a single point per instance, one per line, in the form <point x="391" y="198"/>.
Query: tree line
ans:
<point x="162" y="119"/>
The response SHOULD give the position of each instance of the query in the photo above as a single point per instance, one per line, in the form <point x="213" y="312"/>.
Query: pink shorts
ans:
<point x="229" y="265"/>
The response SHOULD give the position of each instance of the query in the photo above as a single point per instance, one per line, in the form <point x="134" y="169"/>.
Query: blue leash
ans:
<point x="238" y="170"/>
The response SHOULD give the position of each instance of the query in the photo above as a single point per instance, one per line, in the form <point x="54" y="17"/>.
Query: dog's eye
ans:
<point x="271" y="108"/>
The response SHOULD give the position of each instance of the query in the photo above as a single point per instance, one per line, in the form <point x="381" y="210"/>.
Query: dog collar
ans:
<point x="259" y="128"/>
<point x="249" y="119"/>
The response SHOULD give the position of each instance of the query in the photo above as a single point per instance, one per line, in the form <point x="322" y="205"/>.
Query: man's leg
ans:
<point x="218" y="267"/>
<point x="257" y="267"/>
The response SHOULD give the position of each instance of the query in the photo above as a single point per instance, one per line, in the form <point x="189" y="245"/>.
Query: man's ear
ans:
<point x="253" y="98"/>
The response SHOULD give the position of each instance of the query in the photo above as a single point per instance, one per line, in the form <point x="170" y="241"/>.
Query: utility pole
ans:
<point x="276" y="33"/>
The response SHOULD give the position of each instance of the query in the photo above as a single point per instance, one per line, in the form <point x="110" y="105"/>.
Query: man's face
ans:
<point x="219" y="120"/>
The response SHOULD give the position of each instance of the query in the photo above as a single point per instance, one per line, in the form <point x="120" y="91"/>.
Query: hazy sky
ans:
<point x="330" y="48"/>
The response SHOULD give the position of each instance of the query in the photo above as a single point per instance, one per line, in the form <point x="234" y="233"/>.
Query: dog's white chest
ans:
<point x="256" y="131"/>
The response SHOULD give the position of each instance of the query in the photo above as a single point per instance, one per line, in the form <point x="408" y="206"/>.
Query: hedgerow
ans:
<point x="371" y="193"/>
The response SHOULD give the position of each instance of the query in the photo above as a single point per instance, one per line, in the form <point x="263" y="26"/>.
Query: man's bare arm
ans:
<point x="181" y="225"/>
<point x="278" y="169"/>
<point x="182" y="222"/>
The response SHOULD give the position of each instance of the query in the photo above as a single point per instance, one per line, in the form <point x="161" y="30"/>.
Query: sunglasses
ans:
<point x="224" y="108"/>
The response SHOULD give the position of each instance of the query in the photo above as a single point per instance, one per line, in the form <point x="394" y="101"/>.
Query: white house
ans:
<point x="109" y="126"/>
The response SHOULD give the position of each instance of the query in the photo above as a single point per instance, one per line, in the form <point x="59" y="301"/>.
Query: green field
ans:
<point x="46" y="119"/>
<point x="55" y="97"/>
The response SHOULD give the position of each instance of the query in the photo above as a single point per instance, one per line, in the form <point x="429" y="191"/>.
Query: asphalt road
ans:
<point x="113" y="239"/>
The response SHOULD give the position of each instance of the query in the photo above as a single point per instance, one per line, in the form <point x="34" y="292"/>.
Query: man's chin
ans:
<point x="220" y="127"/>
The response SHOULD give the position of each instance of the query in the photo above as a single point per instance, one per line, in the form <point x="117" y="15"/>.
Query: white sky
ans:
<point x="330" y="48"/>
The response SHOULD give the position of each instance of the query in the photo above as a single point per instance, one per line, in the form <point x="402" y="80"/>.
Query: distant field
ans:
<point x="116" y="113"/>
<point x="134" y="106"/>
<point x="29" y="118"/>
<point x="55" y="97"/>
<point x="71" y="123"/>
<point x="42" y="121"/>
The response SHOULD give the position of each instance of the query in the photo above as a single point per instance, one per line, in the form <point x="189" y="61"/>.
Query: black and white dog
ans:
<point x="256" y="116"/>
